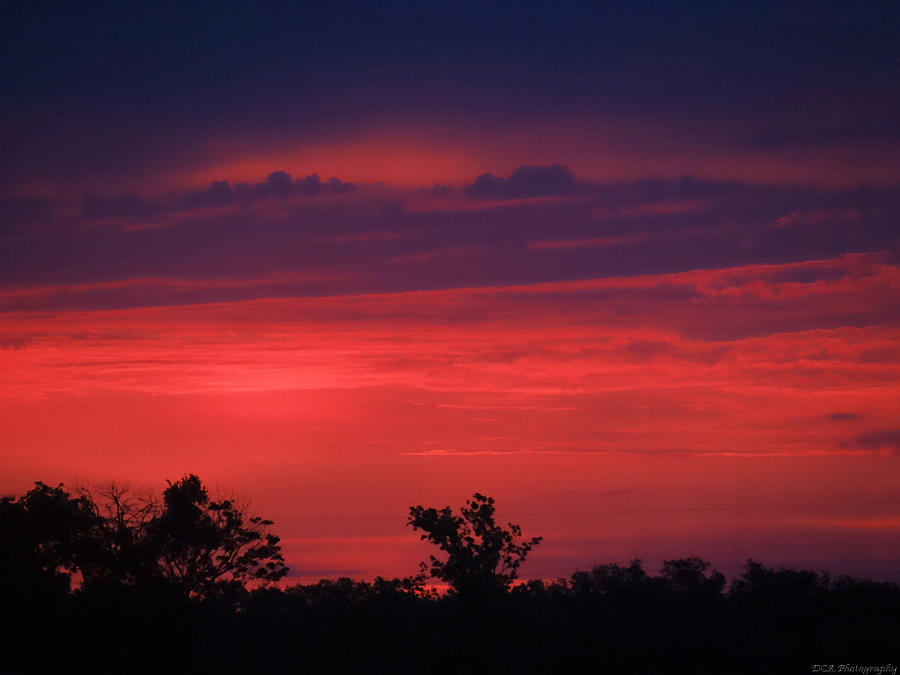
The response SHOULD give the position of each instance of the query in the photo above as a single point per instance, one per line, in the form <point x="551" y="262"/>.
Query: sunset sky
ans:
<point x="632" y="269"/>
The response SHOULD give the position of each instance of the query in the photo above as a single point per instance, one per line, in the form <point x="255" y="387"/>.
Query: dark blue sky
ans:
<point x="95" y="89"/>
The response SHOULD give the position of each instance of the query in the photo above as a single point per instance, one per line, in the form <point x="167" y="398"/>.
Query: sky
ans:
<point x="632" y="269"/>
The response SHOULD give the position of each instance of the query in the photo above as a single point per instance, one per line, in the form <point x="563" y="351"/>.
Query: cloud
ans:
<point x="15" y="342"/>
<point x="526" y="181"/>
<point x="887" y="439"/>
<point x="589" y="242"/>
<point x="284" y="225"/>
<point x="843" y="416"/>
<point x="817" y="217"/>
<point x="707" y="306"/>
<point x="278" y="185"/>
<point x="561" y="339"/>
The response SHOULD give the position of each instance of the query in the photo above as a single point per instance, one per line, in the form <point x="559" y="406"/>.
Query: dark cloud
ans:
<point x="526" y="181"/>
<point x="278" y="185"/>
<point x="219" y="193"/>
<point x="887" y="439"/>
<point x="440" y="191"/>
<point x="843" y="416"/>
<point x="17" y="342"/>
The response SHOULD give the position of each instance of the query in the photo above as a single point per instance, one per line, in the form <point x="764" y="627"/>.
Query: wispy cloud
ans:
<point x="591" y="242"/>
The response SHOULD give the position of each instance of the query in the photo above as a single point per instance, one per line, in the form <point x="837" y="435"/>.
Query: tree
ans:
<point x="692" y="576"/>
<point x="204" y="546"/>
<point x="118" y="552"/>
<point x="43" y="539"/>
<point x="611" y="580"/>
<point x="185" y="541"/>
<point x="482" y="557"/>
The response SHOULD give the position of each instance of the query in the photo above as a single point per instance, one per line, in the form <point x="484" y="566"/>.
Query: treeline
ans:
<point x="123" y="583"/>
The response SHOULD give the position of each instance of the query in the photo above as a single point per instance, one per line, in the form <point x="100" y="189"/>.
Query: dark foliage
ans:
<point x="43" y="539"/>
<point x="612" y="618"/>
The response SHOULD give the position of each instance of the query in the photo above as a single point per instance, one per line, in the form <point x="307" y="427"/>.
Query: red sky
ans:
<point x="632" y="271"/>
<point x="727" y="412"/>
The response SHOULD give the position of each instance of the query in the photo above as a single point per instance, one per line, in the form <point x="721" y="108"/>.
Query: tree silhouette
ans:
<point x="482" y="557"/>
<point x="186" y="541"/>
<point x="692" y="575"/>
<point x="44" y="537"/>
<point x="171" y="571"/>
<point x="118" y="551"/>
<point x="204" y="546"/>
